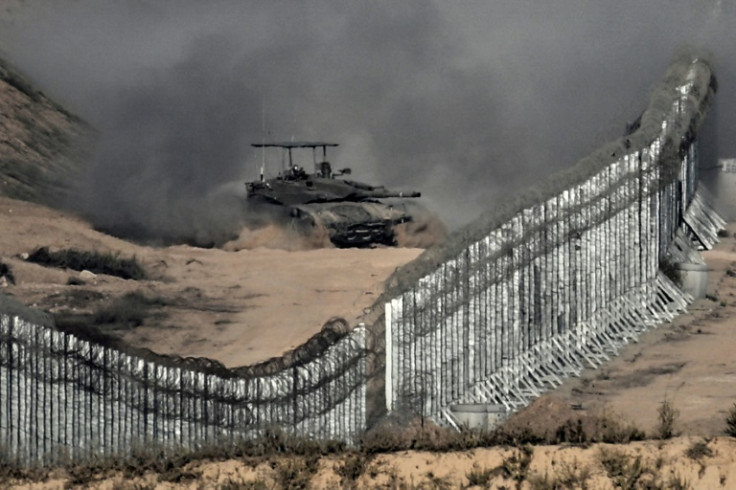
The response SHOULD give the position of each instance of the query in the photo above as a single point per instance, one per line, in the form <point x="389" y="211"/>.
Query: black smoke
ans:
<point x="465" y="101"/>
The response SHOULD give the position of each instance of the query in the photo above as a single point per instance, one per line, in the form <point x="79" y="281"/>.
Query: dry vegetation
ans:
<point x="414" y="457"/>
<point x="96" y="262"/>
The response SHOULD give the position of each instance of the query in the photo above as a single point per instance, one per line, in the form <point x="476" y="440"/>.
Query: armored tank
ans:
<point x="353" y="213"/>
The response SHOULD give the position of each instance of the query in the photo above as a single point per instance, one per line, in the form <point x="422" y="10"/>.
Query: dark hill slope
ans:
<point x="40" y="142"/>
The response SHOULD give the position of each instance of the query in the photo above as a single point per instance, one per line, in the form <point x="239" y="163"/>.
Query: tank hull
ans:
<point x="349" y="224"/>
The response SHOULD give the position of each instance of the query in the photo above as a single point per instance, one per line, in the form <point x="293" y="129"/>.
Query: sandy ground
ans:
<point x="678" y="463"/>
<point x="236" y="307"/>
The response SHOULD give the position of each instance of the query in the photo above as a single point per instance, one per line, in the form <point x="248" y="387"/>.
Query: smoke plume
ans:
<point x="464" y="101"/>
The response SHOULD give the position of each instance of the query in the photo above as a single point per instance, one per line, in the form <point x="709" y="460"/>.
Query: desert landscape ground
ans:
<point x="653" y="417"/>
<point x="239" y="307"/>
<point x="242" y="307"/>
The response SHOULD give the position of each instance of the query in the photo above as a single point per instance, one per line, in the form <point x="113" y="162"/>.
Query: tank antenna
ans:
<point x="263" y="136"/>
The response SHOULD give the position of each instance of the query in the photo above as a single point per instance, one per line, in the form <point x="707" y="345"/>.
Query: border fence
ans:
<point x="66" y="399"/>
<point x="560" y="279"/>
<point x="555" y="280"/>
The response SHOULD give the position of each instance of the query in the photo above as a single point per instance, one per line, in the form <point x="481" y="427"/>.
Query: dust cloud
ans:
<point x="465" y="102"/>
<point x="425" y="229"/>
<point x="279" y="236"/>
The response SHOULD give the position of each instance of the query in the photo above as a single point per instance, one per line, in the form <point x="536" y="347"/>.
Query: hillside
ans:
<point x="41" y="143"/>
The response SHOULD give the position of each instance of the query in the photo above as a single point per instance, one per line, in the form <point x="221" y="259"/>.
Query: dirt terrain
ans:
<point x="680" y="463"/>
<point x="236" y="307"/>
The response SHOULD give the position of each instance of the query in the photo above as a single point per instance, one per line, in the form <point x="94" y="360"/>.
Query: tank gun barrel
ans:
<point x="383" y="194"/>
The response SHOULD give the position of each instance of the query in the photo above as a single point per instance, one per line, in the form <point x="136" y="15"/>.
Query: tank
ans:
<point x="353" y="213"/>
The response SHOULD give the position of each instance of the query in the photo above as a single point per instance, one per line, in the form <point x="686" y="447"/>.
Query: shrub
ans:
<point x="128" y="311"/>
<point x="574" y="475"/>
<point x="516" y="466"/>
<point x="546" y="482"/>
<point x="731" y="421"/>
<point x="612" y="431"/>
<point x="294" y="461"/>
<point x="391" y="437"/>
<point x="480" y="477"/>
<point x="567" y="476"/>
<point x="295" y="472"/>
<point x="7" y="273"/>
<point x="231" y="484"/>
<point x="572" y="432"/>
<point x="623" y="472"/>
<point x="383" y="439"/>
<point x="276" y="441"/>
<point x="123" y="313"/>
<point x="9" y="467"/>
<point x="353" y="465"/>
<point x="677" y="482"/>
<point x="98" y="262"/>
<point x="513" y="437"/>
<point x="667" y="416"/>
<point x="438" y="482"/>
<point x="699" y="449"/>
